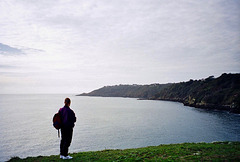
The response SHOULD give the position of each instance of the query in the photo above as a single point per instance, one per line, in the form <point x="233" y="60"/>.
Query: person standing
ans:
<point x="68" y="119"/>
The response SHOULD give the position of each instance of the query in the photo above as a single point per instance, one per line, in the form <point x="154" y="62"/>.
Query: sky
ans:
<point x="76" y="46"/>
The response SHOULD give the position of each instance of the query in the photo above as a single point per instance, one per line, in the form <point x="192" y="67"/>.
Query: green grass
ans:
<point x="217" y="151"/>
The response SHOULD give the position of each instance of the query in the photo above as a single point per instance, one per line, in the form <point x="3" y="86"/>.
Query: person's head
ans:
<point x="67" y="101"/>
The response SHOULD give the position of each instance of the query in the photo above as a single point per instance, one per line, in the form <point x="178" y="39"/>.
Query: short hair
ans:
<point x="67" y="101"/>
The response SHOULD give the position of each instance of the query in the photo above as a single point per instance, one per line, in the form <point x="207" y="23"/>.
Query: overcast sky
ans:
<point x="66" y="46"/>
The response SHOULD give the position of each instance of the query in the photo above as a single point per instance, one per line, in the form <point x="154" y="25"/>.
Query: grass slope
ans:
<point x="217" y="151"/>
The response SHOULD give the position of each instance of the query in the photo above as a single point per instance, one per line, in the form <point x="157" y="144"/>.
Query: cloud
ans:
<point x="96" y="43"/>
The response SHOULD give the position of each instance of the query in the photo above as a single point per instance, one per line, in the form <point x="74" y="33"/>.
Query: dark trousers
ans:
<point x="66" y="140"/>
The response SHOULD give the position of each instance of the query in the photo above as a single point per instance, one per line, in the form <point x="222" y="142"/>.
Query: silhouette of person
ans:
<point x="68" y="119"/>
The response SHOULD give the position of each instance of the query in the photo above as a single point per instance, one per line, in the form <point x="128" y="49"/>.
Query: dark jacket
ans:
<point x="68" y="117"/>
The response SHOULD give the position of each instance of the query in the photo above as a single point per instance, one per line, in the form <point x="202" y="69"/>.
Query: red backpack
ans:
<point x="57" y="122"/>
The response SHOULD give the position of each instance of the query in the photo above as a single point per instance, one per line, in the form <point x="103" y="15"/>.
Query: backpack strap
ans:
<point x="58" y="134"/>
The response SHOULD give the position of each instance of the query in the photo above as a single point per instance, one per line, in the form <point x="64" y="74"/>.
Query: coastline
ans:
<point x="206" y="106"/>
<point x="221" y="93"/>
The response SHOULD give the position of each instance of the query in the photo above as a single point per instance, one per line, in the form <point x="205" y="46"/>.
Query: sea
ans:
<point x="106" y="123"/>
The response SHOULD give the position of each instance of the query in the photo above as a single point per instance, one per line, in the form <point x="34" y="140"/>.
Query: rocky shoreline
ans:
<point x="229" y="108"/>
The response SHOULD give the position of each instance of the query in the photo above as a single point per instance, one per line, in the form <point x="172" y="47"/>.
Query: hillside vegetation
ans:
<point x="135" y="91"/>
<point x="221" y="93"/>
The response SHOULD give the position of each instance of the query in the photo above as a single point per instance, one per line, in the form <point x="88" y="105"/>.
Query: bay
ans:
<point x="106" y="123"/>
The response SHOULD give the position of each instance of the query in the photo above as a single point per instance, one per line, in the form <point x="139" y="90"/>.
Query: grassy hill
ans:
<point x="221" y="93"/>
<point x="218" y="151"/>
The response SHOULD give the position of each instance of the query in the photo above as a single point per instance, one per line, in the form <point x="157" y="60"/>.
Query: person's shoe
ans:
<point x="66" y="157"/>
<point x="61" y="156"/>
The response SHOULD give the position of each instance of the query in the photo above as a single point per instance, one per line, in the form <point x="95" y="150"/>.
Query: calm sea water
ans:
<point x="106" y="123"/>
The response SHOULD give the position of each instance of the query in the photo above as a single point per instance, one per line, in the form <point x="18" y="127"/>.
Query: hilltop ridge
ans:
<point x="222" y="93"/>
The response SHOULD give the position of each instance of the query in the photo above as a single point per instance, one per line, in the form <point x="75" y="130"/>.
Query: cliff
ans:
<point x="221" y="93"/>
